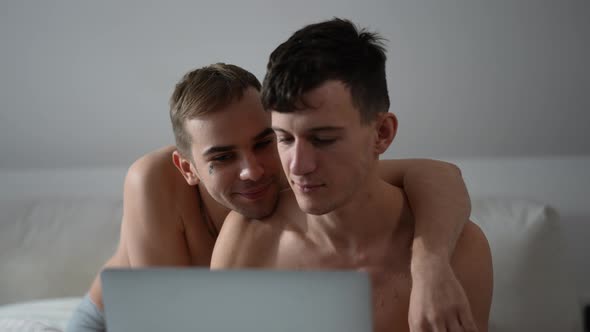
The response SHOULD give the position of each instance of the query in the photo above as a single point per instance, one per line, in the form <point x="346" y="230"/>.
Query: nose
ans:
<point x="302" y="159"/>
<point x="251" y="169"/>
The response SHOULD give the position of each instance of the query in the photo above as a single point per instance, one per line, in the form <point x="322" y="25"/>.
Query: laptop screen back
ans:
<point x="191" y="299"/>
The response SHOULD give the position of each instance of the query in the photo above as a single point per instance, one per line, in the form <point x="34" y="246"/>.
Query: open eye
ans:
<point x="222" y="158"/>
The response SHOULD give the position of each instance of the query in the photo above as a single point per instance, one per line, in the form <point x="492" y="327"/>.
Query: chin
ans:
<point x="259" y="212"/>
<point x="315" y="211"/>
<point x="317" y="206"/>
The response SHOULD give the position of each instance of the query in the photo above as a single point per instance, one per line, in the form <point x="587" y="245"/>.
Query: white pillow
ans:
<point x="53" y="247"/>
<point x="531" y="287"/>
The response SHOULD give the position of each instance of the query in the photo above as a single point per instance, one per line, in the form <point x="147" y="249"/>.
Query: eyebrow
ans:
<point x="225" y="148"/>
<point x="314" y="129"/>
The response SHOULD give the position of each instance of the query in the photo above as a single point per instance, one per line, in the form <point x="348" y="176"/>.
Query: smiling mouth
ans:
<point x="255" y="193"/>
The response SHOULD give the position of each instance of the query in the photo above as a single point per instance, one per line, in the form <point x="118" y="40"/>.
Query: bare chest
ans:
<point x="391" y="297"/>
<point x="388" y="267"/>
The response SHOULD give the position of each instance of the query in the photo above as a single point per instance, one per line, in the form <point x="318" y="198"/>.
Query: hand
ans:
<point x="438" y="302"/>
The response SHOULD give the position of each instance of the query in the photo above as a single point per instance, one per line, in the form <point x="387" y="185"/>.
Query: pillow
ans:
<point x="53" y="247"/>
<point x="531" y="287"/>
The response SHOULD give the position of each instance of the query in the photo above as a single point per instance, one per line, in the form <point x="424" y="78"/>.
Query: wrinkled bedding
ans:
<point x="42" y="315"/>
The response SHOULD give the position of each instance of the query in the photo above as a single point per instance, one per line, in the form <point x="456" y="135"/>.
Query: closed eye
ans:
<point x="319" y="141"/>
<point x="285" y="139"/>
<point x="263" y="144"/>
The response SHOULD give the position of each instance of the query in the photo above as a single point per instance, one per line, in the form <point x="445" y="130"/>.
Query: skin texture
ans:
<point x="171" y="219"/>
<point x="341" y="215"/>
<point x="289" y="241"/>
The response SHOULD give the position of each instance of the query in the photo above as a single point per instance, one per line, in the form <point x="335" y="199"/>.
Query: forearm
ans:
<point x="441" y="207"/>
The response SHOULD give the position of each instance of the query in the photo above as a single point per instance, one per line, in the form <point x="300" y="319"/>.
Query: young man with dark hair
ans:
<point x="327" y="91"/>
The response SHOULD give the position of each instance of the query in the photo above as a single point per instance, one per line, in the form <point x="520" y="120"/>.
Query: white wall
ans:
<point x="86" y="83"/>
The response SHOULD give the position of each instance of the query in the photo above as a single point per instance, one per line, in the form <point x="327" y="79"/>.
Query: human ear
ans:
<point x="185" y="167"/>
<point x="386" y="129"/>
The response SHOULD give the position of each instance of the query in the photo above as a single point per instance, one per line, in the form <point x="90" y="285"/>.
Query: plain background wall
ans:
<point x="86" y="83"/>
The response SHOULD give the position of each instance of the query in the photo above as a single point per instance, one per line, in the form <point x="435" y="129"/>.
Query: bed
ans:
<point x="534" y="211"/>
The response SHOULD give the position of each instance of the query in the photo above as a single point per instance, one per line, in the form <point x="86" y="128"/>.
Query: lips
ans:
<point x="254" y="193"/>
<point x="307" y="187"/>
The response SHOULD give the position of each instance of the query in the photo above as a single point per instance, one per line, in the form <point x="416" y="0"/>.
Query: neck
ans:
<point x="212" y="209"/>
<point x="374" y="211"/>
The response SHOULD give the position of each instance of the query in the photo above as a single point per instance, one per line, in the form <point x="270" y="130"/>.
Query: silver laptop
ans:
<point x="192" y="299"/>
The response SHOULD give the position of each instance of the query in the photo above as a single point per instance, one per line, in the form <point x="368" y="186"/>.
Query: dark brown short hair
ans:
<point x="330" y="50"/>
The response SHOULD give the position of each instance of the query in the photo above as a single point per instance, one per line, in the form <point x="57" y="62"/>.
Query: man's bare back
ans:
<point x="163" y="222"/>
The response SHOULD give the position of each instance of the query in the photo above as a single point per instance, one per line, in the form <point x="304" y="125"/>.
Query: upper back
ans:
<point x="162" y="219"/>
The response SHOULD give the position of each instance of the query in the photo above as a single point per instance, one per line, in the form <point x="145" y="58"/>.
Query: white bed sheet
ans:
<point x="42" y="315"/>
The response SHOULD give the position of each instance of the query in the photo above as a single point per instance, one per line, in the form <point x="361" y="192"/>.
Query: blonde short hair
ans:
<point x="203" y="91"/>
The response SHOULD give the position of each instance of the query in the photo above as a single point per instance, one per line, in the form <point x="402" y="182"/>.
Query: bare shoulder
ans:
<point x="472" y="263"/>
<point x="235" y="241"/>
<point x="150" y="188"/>
<point x="155" y="201"/>
<point x="244" y="242"/>
<point x="153" y="180"/>
<point x="153" y="169"/>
